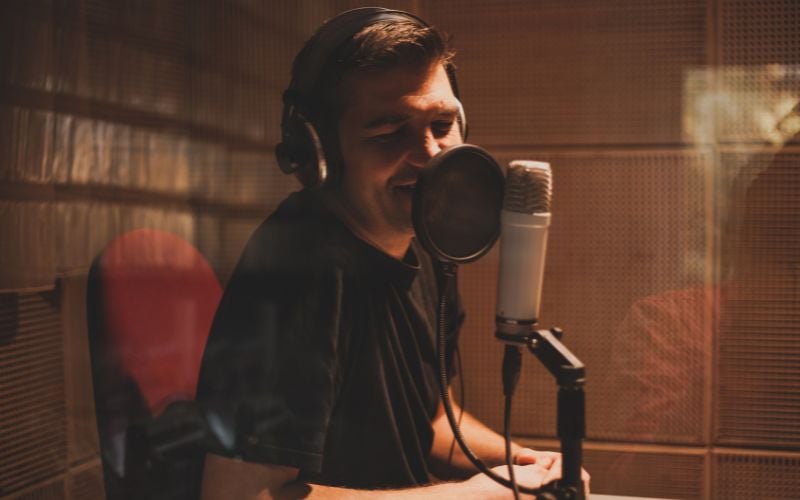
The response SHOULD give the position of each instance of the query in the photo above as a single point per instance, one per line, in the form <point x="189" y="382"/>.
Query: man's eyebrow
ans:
<point x="396" y="118"/>
<point x="387" y="119"/>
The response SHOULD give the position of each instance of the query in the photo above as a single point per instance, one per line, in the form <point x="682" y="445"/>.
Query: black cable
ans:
<point x="448" y="275"/>
<point x="461" y="399"/>
<point x="509" y="457"/>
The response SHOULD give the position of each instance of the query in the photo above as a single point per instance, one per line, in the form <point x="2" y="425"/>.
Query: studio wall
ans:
<point x="674" y="257"/>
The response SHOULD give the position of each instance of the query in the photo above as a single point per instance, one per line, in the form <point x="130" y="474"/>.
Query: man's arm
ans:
<point x="488" y="445"/>
<point x="226" y="478"/>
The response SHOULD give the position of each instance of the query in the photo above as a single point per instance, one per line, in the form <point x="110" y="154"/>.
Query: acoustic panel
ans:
<point x="86" y="227"/>
<point x="255" y="179"/>
<point x="26" y="146"/>
<point x="6" y="42"/>
<point x="208" y="239"/>
<point x="174" y="63"/>
<point x="624" y="278"/>
<point x="28" y="251"/>
<point x="243" y="55"/>
<point x="86" y="482"/>
<point x="234" y="235"/>
<point x="210" y="167"/>
<point x="746" y="475"/>
<point x="89" y="151"/>
<point x="161" y="23"/>
<point x="406" y="5"/>
<point x="154" y="164"/>
<point x="32" y="409"/>
<point x="758" y="395"/>
<point x="135" y="54"/>
<point x="759" y="32"/>
<point x="29" y="56"/>
<point x="574" y="72"/>
<point x="755" y="103"/>
<point x="52" y="490"/>
<point x="759" y="74"/>
<point x="655" y="474"/>
<point x="82" y="439"/>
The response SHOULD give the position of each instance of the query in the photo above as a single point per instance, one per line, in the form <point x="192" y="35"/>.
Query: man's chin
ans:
<point x="404" y="227"/>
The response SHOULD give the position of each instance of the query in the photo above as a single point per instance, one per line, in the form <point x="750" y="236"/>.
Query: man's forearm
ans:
<point x="488" y="445"/>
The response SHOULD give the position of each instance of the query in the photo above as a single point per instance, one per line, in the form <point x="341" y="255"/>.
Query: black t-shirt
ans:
<point x="322" y="355"/>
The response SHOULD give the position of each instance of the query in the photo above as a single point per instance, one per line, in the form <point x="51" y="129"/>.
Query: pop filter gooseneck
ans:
<point x="456" y="214"/>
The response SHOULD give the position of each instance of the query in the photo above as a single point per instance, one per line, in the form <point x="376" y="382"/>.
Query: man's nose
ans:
<point x="423" y="149"/>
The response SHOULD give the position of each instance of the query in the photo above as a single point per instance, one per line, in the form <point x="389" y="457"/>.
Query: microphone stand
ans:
<point x="570" y="374"/>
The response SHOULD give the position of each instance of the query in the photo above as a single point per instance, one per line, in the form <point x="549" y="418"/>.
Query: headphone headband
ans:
<point x="329" y="43"/>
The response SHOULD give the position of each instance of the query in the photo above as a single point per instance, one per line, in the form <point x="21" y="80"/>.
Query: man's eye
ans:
<point x="442" y="128"/>
<point x="388" y="136"/>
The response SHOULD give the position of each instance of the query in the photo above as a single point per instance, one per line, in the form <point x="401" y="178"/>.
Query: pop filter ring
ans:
<point x="437" y="167"/>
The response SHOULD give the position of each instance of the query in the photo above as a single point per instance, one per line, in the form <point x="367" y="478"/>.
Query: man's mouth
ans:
<point x="406" y="188"/>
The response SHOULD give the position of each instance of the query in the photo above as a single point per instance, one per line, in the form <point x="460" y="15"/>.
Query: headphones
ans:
<point x="302" y="149"/>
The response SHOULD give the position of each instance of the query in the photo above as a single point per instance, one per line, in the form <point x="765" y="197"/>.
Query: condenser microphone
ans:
<point x="524" y="220"/>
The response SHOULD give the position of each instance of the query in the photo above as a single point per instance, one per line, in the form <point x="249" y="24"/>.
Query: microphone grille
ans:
<point x="529" y="187"/>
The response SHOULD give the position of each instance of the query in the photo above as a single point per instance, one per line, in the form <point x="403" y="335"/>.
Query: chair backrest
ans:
<point x="150" y="302"/>
<point x="159" y="296"/>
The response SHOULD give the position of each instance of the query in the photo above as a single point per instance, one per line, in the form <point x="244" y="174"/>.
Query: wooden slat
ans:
<point x="33" y="430"/>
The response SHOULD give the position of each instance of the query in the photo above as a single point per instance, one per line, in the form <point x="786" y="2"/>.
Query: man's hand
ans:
<point x="551" y="462"/>
<point x="527" y="456"/>
<point x="531" y="476"/>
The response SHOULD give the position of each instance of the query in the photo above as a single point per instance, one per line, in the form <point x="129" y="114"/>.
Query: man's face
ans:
<point x="393" y="122"/>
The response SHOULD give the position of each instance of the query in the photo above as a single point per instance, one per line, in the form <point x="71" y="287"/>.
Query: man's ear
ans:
<point x="462" y="121"/>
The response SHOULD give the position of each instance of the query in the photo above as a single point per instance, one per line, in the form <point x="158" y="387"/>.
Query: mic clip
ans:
<point x="514" y="332"/>
<point x="545" y="345"/>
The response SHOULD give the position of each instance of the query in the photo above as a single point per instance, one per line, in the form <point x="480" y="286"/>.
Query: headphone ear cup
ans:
<point x="301" y="152"/>
<point x="284" y="158"/>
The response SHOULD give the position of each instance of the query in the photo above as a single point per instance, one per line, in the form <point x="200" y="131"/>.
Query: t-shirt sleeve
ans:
<point x="269" y="375"/>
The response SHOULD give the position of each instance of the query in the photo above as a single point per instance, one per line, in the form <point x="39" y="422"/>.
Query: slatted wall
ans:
<point x="658" y="117"/>
<point x="115" y="115"/>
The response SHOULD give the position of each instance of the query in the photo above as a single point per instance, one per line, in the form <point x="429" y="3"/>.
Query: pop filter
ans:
<point x="457" y="204"/>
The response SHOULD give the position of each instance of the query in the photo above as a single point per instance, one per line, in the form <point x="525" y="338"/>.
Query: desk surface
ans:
<point x="594" y="496"/>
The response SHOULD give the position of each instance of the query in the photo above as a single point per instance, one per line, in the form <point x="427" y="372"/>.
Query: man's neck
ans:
<point x="395" y="245"/>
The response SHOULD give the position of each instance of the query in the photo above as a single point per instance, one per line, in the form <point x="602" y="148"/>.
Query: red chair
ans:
<point x="151" y="300"/>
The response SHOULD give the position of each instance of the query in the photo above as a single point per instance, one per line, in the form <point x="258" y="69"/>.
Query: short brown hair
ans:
<point x="379" y="46"/>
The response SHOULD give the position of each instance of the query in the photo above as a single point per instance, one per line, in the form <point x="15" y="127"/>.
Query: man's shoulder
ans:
<point x="302" y="233"/>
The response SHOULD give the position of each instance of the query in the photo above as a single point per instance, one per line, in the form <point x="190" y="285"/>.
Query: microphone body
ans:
<point x="525" y="220"/>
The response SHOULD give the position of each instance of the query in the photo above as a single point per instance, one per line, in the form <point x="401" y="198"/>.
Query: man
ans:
<point x="319" y="377"/>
